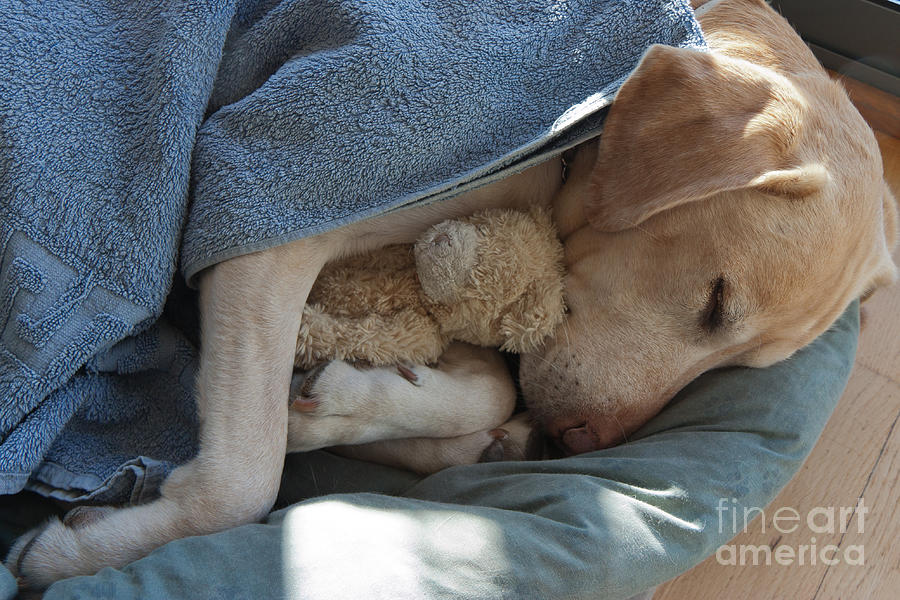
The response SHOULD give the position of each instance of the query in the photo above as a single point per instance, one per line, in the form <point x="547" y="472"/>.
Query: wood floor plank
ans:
<point x="890" y="157"/>
<point x="875" y="536"/>
<point x="835" y="475"/>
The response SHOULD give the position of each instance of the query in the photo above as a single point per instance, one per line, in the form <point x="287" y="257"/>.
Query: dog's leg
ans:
<point x="517" y="439"/>
<point x="251" y="309"/>
<point x="469" y="390"/>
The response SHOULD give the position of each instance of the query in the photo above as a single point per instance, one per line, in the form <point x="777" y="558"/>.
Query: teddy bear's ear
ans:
<point x="533" y="317"/>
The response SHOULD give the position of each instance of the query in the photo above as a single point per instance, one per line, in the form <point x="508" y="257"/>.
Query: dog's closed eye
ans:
<point x="713" y="315"/>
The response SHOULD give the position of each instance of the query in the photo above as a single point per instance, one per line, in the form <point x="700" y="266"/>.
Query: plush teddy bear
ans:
<point x="492" y="279"/>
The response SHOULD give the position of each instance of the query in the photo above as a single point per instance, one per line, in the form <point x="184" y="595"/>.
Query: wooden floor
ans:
<point x="857" y="457"/>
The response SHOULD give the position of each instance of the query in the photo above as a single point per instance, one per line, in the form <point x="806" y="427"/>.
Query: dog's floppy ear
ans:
<point x="687" y="125"/>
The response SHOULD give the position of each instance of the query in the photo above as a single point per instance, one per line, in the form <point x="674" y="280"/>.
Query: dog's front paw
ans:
<point x="339" y="388"/>
<point x="48" y="553"/>
<point x="517" y="439"/>
<point x="327" y="405"/>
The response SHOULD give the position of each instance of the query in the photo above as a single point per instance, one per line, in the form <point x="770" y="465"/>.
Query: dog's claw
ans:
<point x="310" y="380"/>
<point x="408" y="374"/>
<point x="302" y="398"/>
<point x="495" y="451"/>
<point x="303" y="404"/>
<point x="499" y="434"/>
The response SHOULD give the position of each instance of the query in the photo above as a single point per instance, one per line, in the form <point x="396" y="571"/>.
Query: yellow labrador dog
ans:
<point x="732" y="209"/>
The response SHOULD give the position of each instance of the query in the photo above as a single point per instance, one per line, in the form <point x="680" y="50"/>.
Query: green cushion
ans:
<point x="602" y="525"/>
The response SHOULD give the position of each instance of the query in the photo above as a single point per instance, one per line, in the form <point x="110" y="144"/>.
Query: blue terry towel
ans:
<point x="282" y="119"/>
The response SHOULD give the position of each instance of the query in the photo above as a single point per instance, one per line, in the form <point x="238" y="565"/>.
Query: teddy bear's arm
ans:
<point x="383" y="281"/>
<point x="533" y="317"/>
<point x="405" y="336"/>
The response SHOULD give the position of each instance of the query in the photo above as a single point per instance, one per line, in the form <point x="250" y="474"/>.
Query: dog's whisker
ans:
<point x="621" y="429"/>
<point x="758" y="350"/>
<point x="550" y="364"/>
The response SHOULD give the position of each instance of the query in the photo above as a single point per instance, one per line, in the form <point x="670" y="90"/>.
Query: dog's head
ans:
<point x="727" y="216"/>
